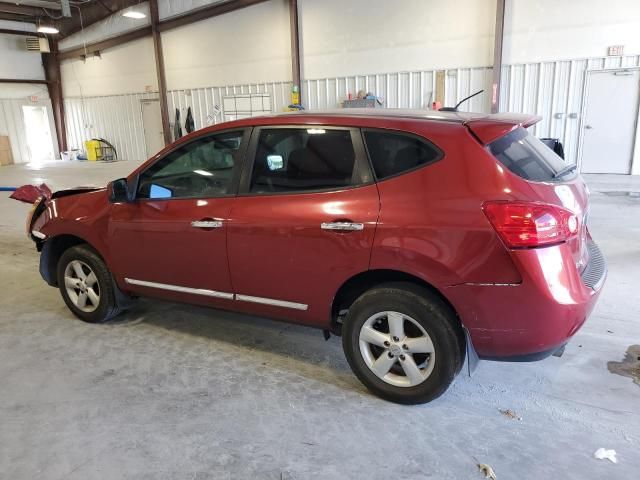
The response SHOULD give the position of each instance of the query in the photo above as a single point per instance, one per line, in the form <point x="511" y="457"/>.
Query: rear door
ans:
<point x="303" y="222"/>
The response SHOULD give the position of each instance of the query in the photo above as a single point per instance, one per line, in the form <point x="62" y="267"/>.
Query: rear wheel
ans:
<point x="401" y="342"/>
<point x="86" y="285"/>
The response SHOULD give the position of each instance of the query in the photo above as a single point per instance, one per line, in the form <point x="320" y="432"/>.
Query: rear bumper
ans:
<point x="535" y="318"/>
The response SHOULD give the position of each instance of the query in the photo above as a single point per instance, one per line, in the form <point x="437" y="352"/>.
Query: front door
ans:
<point x="303" y="222"/>
<point x="171" y="241"/>
<point x="610" y="121"/>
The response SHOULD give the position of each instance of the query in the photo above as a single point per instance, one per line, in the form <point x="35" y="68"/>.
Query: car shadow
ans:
<point x="301" y="350"/>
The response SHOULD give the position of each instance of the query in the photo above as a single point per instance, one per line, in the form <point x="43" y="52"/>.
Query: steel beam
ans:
<point x="497" y="56"/>
<point x="8" y="31"/>
<point x="22" y="80"/>
<point x="105" y="44"/>
<point x="162" y="81"/>
<point x="15" y="17"/>
<point x="21" y="9"/>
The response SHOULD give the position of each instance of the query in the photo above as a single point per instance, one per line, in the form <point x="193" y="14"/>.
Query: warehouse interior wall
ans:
<point x="128" y="68"/>
<point x="377" y="36"/>
<point x="544" y="30"/>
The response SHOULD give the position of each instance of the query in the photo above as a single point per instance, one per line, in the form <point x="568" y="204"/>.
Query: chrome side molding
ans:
<point x="177" y="288"/>
<point x="271" y="301"/>
<point x="215" y="294"/>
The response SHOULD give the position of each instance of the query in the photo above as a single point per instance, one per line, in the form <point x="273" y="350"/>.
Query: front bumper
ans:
<point x="535" y="318"/>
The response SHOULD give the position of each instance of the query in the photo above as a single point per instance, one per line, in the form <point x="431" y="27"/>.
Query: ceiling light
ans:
<point x="134" y="14"/>
<point x="47" y="29"/>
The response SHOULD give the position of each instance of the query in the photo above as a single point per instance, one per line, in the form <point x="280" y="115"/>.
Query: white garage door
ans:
<point x="610" y="121"/>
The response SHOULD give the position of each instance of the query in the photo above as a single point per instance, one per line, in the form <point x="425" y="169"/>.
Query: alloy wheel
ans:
<point x="82" y="286"/>
<point x="397" y="349"/>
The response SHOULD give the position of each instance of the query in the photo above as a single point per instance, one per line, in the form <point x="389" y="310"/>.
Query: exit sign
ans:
<point x="615" y="50"/>
<point x="33" y="98"/>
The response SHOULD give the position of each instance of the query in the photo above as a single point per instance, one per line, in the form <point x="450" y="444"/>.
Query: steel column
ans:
<point x="51" y="64"/>
<point x="497" y="56"/>
<point x="162" y="81"/>
<point x="295" y="45"/>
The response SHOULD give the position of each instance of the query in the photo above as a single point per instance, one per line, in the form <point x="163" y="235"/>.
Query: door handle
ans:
<point x="206" y="223"/>
<point x="342" y="226"/>
<point x="588" y="127"/>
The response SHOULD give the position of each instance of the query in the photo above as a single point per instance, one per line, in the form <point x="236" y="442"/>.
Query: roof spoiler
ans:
<point x="497" y="125"/>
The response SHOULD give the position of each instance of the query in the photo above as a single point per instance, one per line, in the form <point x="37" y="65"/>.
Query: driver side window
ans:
<point x="202" y="168"/>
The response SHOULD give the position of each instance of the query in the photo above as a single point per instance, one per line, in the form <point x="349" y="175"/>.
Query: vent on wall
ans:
<point x="36" y="44"/>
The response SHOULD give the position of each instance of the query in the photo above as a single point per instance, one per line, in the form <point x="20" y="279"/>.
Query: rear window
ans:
<point x="527" y="157"/>
<point x="393" y="153"/>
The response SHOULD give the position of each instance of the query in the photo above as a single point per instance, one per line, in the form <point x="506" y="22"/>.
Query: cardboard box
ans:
<point x="6" y="158"/>
<point x="4" y="143"/>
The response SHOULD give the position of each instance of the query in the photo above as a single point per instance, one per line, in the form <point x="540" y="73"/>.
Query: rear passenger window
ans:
<point x="527" y="156"/>
<point x="303" y="159"/>
<point x="393" y="153"/>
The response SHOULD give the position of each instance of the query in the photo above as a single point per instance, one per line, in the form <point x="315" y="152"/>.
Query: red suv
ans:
<point x="419" y="237"/>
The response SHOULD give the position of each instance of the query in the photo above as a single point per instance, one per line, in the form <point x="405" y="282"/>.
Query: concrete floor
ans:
<point x="174" y="392"/>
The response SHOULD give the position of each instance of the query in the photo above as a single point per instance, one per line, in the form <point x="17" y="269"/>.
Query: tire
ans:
<point x="432" y="343"/>
<point x="99" y="293"/>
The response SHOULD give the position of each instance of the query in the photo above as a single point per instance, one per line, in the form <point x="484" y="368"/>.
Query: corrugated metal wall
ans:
<point x="116" y="118"/>
<point x="12" y="124"/>
<point x="206" y="103"/>
<point x="553" y="90"/>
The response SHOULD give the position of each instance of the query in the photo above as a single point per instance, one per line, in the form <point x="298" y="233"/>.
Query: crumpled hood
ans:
<point x="31" y="193"/>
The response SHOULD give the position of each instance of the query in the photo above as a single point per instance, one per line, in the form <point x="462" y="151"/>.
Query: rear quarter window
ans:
<point x="527" y="157"/>
<point x="393" y="153"/>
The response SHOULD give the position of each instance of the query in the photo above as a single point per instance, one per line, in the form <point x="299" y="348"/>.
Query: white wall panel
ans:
<point x="246" y="46"/>
<point x="549" y="30"/>
<point x="16" y="61"/>
<point x="350" y="37"/>
<point x="124" y="69"/>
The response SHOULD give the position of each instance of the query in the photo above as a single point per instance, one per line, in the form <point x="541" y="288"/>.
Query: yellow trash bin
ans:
<point x="93" y="149"/>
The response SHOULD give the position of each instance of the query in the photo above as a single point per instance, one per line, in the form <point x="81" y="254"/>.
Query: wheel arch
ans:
<point x="53" y="249"/>
<point x="355" y="286"/>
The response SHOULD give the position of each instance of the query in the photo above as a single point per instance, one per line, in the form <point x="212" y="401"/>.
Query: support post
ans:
<point x="162" y="81"/>
<point x="51" y="64"/>
<point x="295" y="46"/>
<point x="497" y="56"/>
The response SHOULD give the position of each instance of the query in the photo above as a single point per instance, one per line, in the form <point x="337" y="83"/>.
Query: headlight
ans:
<point x="32" y="211"/>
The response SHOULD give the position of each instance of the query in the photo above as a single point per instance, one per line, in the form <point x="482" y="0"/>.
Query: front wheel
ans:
<point x="86" y="285"/>
<point x="401" y="342"/>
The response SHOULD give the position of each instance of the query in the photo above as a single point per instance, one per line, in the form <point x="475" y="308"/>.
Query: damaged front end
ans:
<point x="42" y="199"/>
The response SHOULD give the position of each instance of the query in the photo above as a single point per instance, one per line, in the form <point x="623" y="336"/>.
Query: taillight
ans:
<point x="529" y="224"/>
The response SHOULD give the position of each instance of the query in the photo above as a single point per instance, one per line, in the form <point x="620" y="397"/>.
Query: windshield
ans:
<point x="527" y="157"/>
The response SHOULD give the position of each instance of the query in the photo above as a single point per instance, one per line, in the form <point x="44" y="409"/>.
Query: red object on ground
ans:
<point x="31" y="193"/>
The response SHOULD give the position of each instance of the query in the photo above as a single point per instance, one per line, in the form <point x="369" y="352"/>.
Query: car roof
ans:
<point x="410" y="113"/>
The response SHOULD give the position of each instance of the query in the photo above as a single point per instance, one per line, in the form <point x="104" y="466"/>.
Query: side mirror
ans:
<point x="118" y="191"/>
